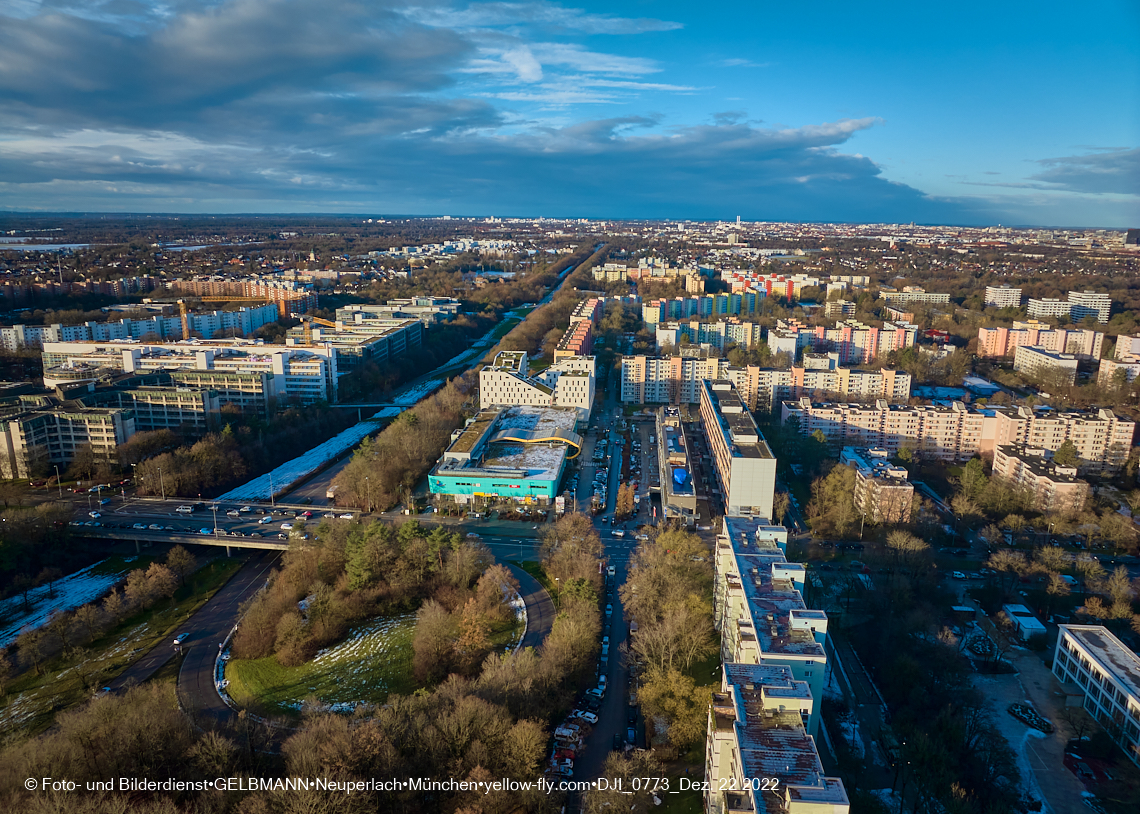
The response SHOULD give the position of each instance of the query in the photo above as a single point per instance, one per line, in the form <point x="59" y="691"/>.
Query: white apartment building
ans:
<point x="1127" y="346"/>
<point x="1099" y="665"/>
<point x="756" y="729"/>
<point x="508" y="382"/>
<point x="1047" y="307"/>
<point x="839" y="309"/>
<point x="1089" y="304"/>
<point x="1003" y="296"/>
<point x="1102" y="438"/>
<point x="913" y="294"/>
<point x="883" y="494"/>
<point x="758" y="606"/>
<point x="304" y="374"/>
<point x="429" y="310"/>
<point x="1036" y="362"/>
<point x="744" y="464"/>
<point x="1054" y="487"/>
<point x="1107" y="374"/>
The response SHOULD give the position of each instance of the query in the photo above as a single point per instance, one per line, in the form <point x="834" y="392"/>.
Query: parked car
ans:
<point x="94" y="514"/>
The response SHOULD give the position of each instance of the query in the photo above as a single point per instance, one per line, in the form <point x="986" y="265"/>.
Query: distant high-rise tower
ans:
<point x="738" y="220"/>
<point x="1132" y="237"/>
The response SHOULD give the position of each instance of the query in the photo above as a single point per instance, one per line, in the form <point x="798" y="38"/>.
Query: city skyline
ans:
<point x="1019" y="115"/>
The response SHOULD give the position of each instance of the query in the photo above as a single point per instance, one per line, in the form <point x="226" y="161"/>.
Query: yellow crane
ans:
<point x="307" y="325"/>
<point x="282" y="305"/>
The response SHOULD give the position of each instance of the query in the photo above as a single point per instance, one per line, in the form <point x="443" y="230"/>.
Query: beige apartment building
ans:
<point x="883" y="493"/>
<point x="675" y="380"/>
<point x="1083" y="343"/>
<point x="508" y="381"/>
<point x="1054" y="487"/>
<point x="956" y="433"/>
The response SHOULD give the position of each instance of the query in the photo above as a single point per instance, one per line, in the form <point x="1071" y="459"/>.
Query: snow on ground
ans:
<point x="420" y="391"/>
<point x="70" y="592"/>
<point x="851" y="734"/>
<point x="284" y="476"/>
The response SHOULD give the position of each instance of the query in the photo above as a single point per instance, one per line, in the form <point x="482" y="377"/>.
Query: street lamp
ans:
<point x="162" y="484"/>
<point x="214" y="508"/>
<point x="58" y="482"/>
<point x="367" y="496"/>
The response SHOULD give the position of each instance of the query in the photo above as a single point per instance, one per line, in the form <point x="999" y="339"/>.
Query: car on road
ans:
<point x="631" y="715"/>
<point x="154" y="527"/>
<point x="282" y="536"/>
<point x="266" y="519"/>
<point x="617" y="744"/>
<point x="618" y="533"/>
<point x="609" y="610"/>
<point x="204" y="531"/>
<point x="958" y="575"/>
<point x="588" y="717"/>
<point x="181" y="638"/>
<point x="631" y="735"/>
<point x="596" y="692"/>
<point x="139" y="526"/>
<point x="472" y="535"/>
<point x="104" y="501"/>
<point x="94" y="514"/>
<point x="244" y="509"/>
<point x="348" y="516"/>
<point x="233" y="513"/>
<point x="286" y="526"/>
<point x="611" y="571"/>
<point x="185" y="510"/>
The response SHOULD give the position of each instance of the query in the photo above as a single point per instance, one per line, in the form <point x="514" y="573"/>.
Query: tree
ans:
<point x="780" y="504"/>
<point x="624" y="503"/>
<point x="973" y="479"/>
<point x="682" y="706"/>
<point x="1011" y="564"/>
<point x="1066" y="454"/>
<point x="474" y="640"/>
<point x="909" y="551"/>
<point x="181" y="562"/>
<point x="30" y="646"/>
<point x="433" y="642"/>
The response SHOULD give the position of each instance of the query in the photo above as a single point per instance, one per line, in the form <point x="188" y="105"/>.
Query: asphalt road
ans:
<point x="218" y="613"/>
<point x="539" y="608"/>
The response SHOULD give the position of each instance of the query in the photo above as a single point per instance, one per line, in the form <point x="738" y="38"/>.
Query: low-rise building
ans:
<point x="1038" y="362"/>
<point x="508" y="381"/>
<point x="744" y="464"/>
<point x="1054" y="487"/>
<point x="516" y="454"/>
<point x="678" y="487"/>
<point x="1092" y="660"/>
<point x="883" y="493"/>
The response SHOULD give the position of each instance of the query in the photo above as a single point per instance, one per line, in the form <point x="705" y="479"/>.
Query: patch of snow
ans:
<point x="71" y="591"/>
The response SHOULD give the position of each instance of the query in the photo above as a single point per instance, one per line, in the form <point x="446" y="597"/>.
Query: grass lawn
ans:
<point x="32" y="700"/>
<point x="680" y="802"/>
<point x="536" y="570"/>
<point x="375" y="660"/>
<point x="505" y="327"/>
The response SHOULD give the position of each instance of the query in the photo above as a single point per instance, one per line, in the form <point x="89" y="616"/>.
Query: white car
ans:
<point x="346" y="516"/>
<point x="286" y="526"/>
<point x="266" y="519"/>
<point x="246" y="509"/>
<point x="94" y="514"/>
<point x="232" y="513"/>
<point x="588" y="717"/>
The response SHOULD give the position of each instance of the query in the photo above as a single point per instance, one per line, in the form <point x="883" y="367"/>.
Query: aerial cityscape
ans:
<point x="511" y="407"/>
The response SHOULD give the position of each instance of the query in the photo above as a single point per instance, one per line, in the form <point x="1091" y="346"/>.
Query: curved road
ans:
<point x="539" y="608"/>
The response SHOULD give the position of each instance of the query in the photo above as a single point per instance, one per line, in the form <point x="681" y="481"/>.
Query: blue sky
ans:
<point x="996" y="112"/>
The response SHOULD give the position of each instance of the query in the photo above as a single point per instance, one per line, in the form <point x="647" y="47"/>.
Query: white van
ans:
<point x="185" y="510"/>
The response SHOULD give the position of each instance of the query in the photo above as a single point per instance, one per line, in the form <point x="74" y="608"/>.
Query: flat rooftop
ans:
<point x="1111" y="653"/>
<point x="485" y="445"/>
<point x="740" y="432"/>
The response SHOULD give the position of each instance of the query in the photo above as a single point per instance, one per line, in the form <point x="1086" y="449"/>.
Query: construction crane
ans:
<point x="307" y="325"/>
<point x="182" y="312"/>
<point x="282" y="305"/>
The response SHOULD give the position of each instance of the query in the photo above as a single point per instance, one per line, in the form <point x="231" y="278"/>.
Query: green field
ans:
<point x="375" y="660"/>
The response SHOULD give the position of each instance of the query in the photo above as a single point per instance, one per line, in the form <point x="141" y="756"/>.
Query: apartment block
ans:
<point x="1089" y="304"/>
<point x="744" y="464"/>
<point x="1102" y="438"/>
<point x="587" y="311"/>
<point x="32" y="442"/>
<point x="577" y="341"/>
<point x="756" y="729"/>
<point x="191" y="410"/>
<point x="758" y="606"/>
<point x="207" y="325"/>
<point x="1047" y="307"/>
<point x="508" y="381"/>
<point x="999" y="342"/>
<point x="1126" y="347"/>
<point x="951" y="433"/>
<point x="716" y="335"/>
<point x="290" y="296"/>
<point x="1111" y="370"/>
<point x="883" y="493"/>
<point x="839" y="309"/>
<point x="1038" y="362"/>
<point x="249" y="391"/>
<point x="673" y="380"/>
<point x="1097" y="664"/>
<point x="1054" y="487"/>
<point x="708" y="305"/>
<point x="1003" y="296"/>
<point x="912" y="293"/>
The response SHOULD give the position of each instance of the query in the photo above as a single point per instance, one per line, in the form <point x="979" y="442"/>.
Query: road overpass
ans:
<point x="140" y="537"/>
